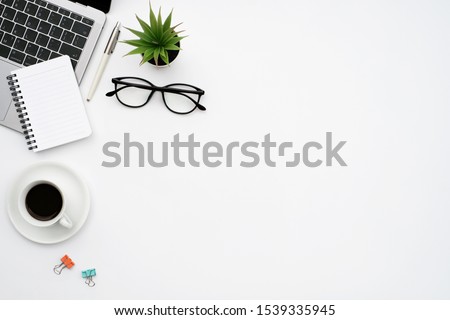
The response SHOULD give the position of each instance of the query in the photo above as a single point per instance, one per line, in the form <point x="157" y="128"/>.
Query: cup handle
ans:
<point x="65" y="221"/>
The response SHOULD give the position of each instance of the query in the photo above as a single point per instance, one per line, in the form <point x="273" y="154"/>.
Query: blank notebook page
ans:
<point x="53" y="103"/>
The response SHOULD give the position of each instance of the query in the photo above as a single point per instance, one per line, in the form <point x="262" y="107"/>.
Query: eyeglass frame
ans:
<point x="152" y="88"/>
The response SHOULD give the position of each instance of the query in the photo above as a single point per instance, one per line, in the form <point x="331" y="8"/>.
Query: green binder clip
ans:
<point x="88" y="275"/>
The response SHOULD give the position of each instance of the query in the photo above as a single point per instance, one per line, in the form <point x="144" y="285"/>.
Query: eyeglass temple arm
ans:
<point x="161" y="89"/>
<point x="112" y="93"/>
<point x="156" y="88"/>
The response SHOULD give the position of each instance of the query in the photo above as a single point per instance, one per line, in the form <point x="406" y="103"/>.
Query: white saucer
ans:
<point x="77" y="202"/>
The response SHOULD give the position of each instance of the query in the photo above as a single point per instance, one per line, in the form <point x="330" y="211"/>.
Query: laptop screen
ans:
<point x="102" y="5"/>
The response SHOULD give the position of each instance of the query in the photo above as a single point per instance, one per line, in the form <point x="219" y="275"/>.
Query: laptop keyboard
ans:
<point x="32" y="31"/>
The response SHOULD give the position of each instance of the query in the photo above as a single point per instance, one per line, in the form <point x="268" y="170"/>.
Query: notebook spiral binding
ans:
<point x="22" y="111"/>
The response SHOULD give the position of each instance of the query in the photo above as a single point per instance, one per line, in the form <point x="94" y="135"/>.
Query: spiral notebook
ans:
<point x="49" y="104"/>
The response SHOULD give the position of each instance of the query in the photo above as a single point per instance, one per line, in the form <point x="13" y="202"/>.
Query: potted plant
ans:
<point x="158" y="43"/>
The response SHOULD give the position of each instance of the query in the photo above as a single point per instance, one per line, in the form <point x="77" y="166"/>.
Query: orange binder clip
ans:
<point x="66" y="262"/>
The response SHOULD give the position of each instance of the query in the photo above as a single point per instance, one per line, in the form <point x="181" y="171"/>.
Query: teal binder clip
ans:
<point x="88" y="275"/>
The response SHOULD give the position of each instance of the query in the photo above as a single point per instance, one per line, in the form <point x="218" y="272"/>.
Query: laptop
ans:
<point x="33" y="31"/>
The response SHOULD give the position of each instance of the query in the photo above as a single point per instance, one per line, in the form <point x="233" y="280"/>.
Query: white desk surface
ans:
<point x="375" y="73"/>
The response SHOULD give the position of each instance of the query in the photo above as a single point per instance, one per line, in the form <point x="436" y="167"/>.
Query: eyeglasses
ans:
<point x="180" y="98"/>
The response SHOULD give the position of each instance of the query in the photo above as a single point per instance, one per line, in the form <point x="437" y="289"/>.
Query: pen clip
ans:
<point x="113" y="39"/>
<point x="116" y="39"/>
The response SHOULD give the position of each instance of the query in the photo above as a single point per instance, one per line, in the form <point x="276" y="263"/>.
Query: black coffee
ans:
<point x="44" y="202"/>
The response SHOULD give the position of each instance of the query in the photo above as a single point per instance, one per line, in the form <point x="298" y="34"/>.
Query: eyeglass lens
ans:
<point x="133" y="96"/>
<point x="180" y="102"/>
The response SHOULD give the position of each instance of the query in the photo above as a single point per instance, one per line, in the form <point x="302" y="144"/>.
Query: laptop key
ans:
<point x="4" y="51"/>
<point x="52" y="7"/>
<point x="9" y="13"/>
<point x="56" y="32"/>
<point x="71" y="51"/>
<point x="19" y="31"/>
<point x="31" y="9"/>
<point x="1" y="35"/>
<point x="7" y="26"/>
<point x="54" y="55"/>
<point x="2" y="7"/>
<point x="81" y="29"/>
<point x="79" y="42"/>
<point x="54" y="45"/>
<point x="8" y="2"/>
<point x="43" y="13"/>
<point x="74" y="63"/>
<point x="41" y="3"/>
<point x="43" y="54"/>
<point x="8" y="40"/>
<point x="20" y="44"/>
<point x="88" y="22"/>
<point x="17" y="56"/>
<point x="64" y="12"/>
<point x="44" y="27"/>
<point x="67" y="36"/>
<point x="66" y="23"/>
<point x="32" y="23"/>
<point x="30" y="35"/>
<point x="55" y="18"/>
<point x="19" y="4"/>
<point x="32" y="49"/>
<point x="76" y="16"/>
<point x="42" y="40"/>
<point x="29" y="61"/>
<point x="20" y="18"/>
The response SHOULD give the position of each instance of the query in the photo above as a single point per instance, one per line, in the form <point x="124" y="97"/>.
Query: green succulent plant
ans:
<point x="155" y="39"/>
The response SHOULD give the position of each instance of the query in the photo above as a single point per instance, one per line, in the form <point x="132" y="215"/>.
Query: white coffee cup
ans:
<point x="61" y="217"/>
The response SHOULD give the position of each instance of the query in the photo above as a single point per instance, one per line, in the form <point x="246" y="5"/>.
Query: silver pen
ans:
<point x="112" y="42"/>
